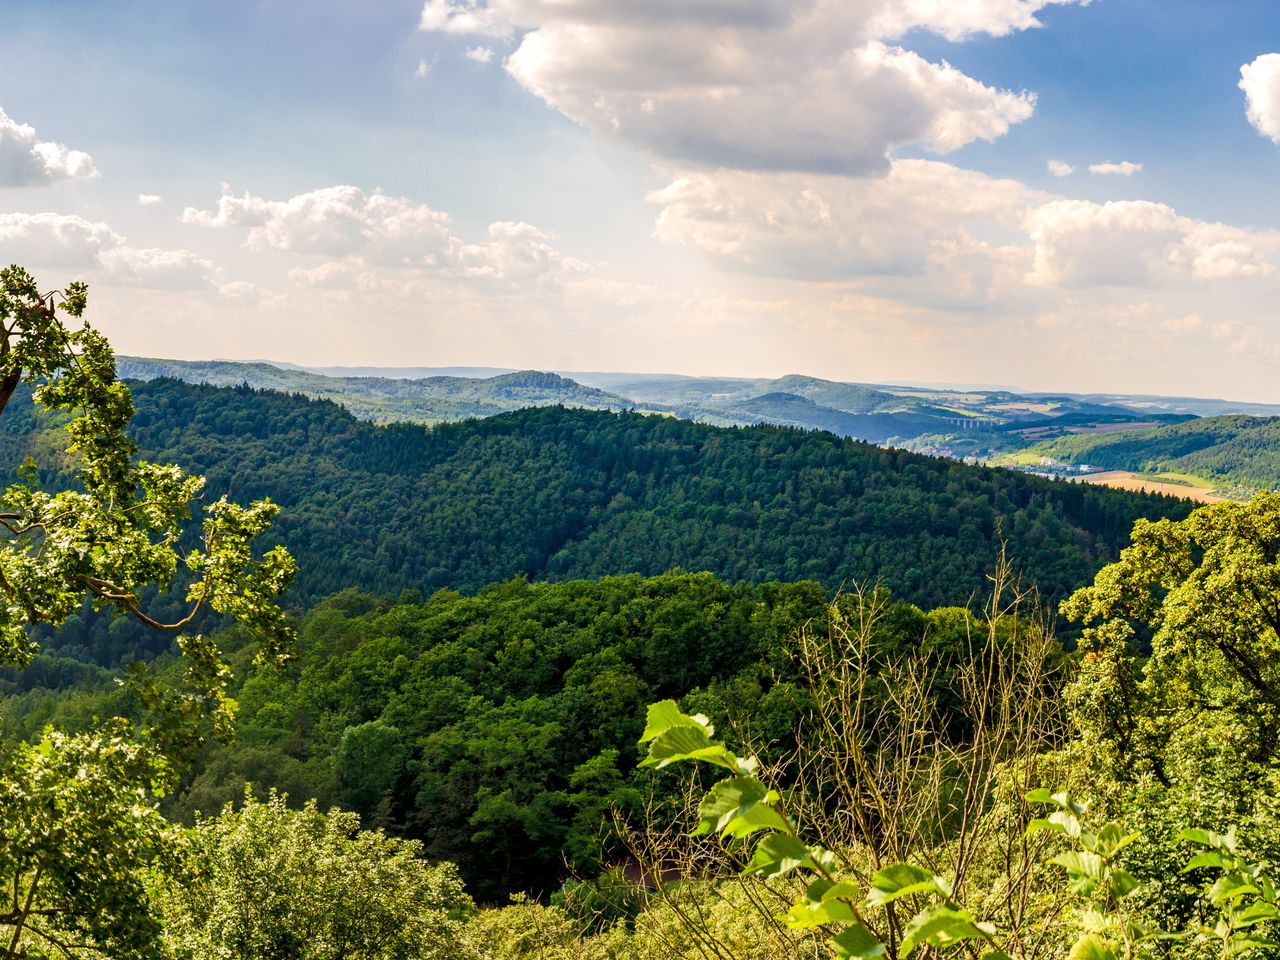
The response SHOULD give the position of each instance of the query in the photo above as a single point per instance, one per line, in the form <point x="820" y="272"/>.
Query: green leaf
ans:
<point x="941" y="927"/>
<point x="806" y="914"/>
<point x="687" y="743"/>
<point x="1122" y="883"/>
<point x="903" y="880"/>
<point x="1112" y="839"/>
<point x="738" y="807"/>
<point x="1210" y="858"/>
<point x="665" y="715"/>
<point x="858" y="943"/>
<point x="1092" y="947"/>
<point x="777" y="854"/>
<point x="1081" y="862"/>
<point x="1231" y="886"/>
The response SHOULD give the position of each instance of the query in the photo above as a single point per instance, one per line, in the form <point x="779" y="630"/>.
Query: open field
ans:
<point x="1127" y="480"/>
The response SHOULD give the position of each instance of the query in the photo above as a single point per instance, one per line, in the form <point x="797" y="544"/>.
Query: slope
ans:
<point x="554" y="493"/>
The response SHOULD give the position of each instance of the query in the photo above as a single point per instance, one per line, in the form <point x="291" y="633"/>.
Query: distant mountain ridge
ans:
<point x="384" y="399"/>
<point x="982" y="424"/>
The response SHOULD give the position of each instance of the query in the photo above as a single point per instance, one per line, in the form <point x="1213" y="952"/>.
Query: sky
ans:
<point x="1054" y="194"/>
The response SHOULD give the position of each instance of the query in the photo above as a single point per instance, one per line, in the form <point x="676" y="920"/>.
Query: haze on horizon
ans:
<point x="1060" y="194"/>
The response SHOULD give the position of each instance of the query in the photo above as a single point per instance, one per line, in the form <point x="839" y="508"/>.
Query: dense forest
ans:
<point x="561" y="494"/>
<point x="1231" y="450"/>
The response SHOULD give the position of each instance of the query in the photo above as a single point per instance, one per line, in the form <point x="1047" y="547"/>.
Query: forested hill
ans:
<point x="553" y="493"/>
<point x="1239" y="450"/>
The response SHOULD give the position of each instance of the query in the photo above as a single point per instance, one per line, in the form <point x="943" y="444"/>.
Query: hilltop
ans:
<point x="384" y="399"/>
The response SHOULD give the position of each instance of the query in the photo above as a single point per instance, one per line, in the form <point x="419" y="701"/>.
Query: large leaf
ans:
<point x="665" y="715"/>
<point x="1092" y="947"/>
<point x="858" y="943"/>
<point x="777" y="854"/>
<point x="941" y="927"/>
<point x="902" y="880"/>
<point x="687" y="743"/>
<point x="738" y="807"/>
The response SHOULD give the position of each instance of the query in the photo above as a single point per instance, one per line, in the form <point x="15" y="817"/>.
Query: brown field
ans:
<point x="1125" y="480"/>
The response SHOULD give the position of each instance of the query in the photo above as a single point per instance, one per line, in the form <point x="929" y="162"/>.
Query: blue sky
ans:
<point x="859" y="190"/>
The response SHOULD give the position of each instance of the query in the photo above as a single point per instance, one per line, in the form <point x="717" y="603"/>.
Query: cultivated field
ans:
<point x="1127" y="480"/>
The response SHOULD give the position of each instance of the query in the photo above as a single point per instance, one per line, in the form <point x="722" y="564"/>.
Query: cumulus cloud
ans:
<point x="149" y="200"/>
<point x="157" y="269"/>
<point x="358" y="231"/>
<point x="513" y="250"/>
<point x="26" y="161"/>
<point x="1260" y="81"/>
<point x="332" y="222"/>
<point x="479" y="54"/>
<point x="806" y="85"/>
<point x="1124" y="168"/>
<point x="423" y="68"/>
<point x="1136" y="242"/>
<point x="1060" y="168"/>
<point x="54" y="240"/>
<point x="929" y="232"/>
<point x="69" y="242"/>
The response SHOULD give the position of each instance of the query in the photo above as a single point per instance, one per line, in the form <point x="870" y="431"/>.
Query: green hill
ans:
<point x="553" y="493"/>
<point x="1236" y="451"/>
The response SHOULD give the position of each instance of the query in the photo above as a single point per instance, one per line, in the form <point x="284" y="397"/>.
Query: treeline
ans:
<point x="557" y="494"/>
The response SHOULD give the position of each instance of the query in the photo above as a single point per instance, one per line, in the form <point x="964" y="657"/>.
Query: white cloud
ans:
<point x="149" y="200"/>
<point x="1136" y="242"/>
<point x="71" y="243"/>
<point x="836" y="228"/>
<point x="929" y="233"/>
<point x="26" y="161"/>
<point x="754" y="84"/>
<point x="54" y="240"/>
<point x="1060" y="168"/>
<point x="962" y="19"/>
<point x="360" y="232"/>
<point x="157" y="269"/>
<point x="1260" y="81"/>
<point x="421" y="71"/>
<point x="333" y="222"/>
<point x="513" y="250"/>
<point x="1124" y="168"/>
<point x="479" y="54"/>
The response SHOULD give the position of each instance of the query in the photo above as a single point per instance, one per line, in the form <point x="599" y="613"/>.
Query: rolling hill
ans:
<point x="554" y="493"/>
<point x="1228" y="451"/>
<point x="384" y="399"/>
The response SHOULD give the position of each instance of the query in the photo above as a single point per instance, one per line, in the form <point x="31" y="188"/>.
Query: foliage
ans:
<point x="76" y="827"/>
<point x="1204" y="591"/>
<point x="741" y="807"/>
<point x="555" y="494"/>
<point x="269" y="882"/>
<point x="78" y="823"/>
